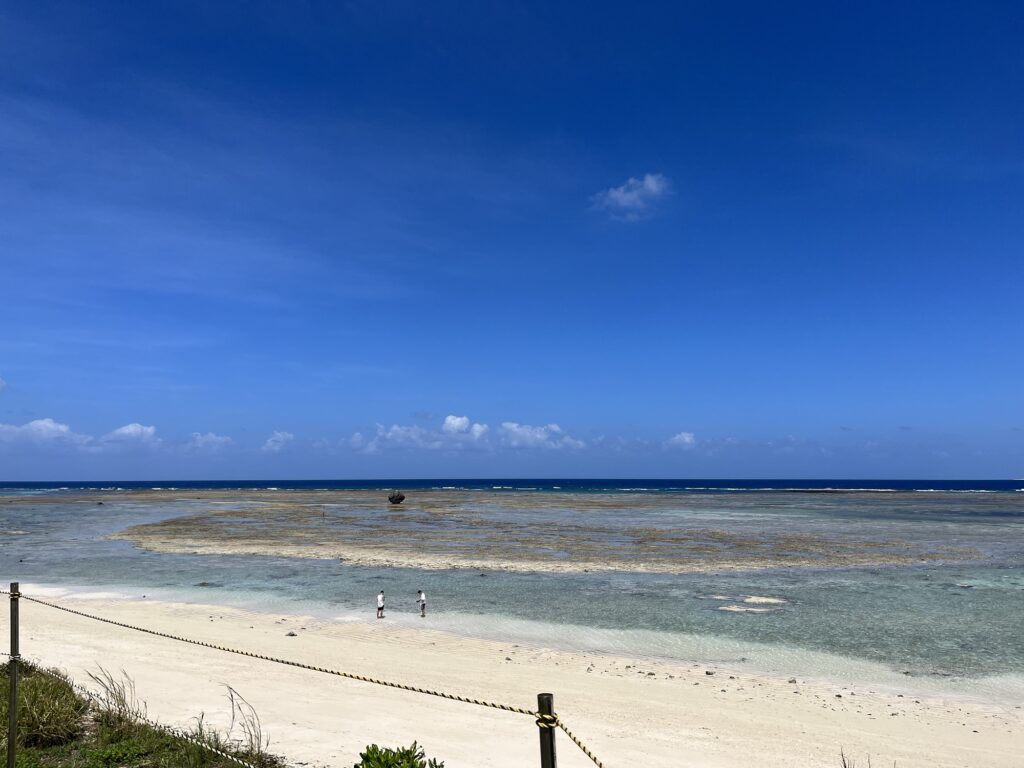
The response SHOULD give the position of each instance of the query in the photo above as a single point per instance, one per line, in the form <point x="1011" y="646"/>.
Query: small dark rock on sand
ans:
<point x="290" y="634"/>
<point x="396" y="497"/>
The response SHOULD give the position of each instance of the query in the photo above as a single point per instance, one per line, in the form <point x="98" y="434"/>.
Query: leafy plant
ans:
<point x="403" y="757"/>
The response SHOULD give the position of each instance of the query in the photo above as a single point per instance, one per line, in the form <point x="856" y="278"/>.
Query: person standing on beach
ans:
<point x="380" y="605"/>
<point x="421" y="598"/>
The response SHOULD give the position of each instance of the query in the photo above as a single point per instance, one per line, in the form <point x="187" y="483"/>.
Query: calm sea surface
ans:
<point x="946" y="624"/>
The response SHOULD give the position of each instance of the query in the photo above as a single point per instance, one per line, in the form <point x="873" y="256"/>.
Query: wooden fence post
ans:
<point x="12" y="672"/>
<point x="546" y="725"/>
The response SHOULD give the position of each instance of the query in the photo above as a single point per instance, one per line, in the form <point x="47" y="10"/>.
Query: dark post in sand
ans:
<point x="12" y="672"/>
<point x="546" y="706"/>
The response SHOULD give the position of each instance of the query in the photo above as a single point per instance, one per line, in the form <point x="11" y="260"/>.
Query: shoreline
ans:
<point x="775" y="661"/>
<point x="688" y="716"/>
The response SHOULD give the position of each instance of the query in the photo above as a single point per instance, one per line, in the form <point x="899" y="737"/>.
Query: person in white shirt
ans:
<point x="421" y="598"/>
<point x="380" y="605"/>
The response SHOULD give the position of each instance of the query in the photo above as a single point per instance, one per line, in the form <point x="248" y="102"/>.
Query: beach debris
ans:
<point x="396" y="497"/>
<point x="792" y="680"/>
<point x="708" y="672"/>
<point x="290" y="634"/>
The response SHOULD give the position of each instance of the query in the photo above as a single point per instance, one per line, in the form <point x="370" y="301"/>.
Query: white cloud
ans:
<point x="48" y="432"/>
<point x="399" y="436"/>
<point x="43" y="432"/>
<point x="455" y="424"/>
<point x="547" y="436"/>
<point x="633" y="200"/>
<point x="133" y="432"/>
<point x="277" y="441"/>
<point x="456" y="433"/>
<point x="126" y="438"/>
<point x="207" y="443"/>
<point x="461" y="425"/>
<point x="682" y="440"/>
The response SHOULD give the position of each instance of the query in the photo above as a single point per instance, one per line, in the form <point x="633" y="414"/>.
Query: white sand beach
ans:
<point x="629" y="712"/>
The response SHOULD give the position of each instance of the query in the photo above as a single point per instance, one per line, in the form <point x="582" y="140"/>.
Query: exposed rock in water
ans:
<point x="396" y="497"/>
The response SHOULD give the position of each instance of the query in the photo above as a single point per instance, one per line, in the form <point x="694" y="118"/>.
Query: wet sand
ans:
<point x="630" y="712"/>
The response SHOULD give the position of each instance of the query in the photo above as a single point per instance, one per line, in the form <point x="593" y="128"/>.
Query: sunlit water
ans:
<point x="947" y="626"/>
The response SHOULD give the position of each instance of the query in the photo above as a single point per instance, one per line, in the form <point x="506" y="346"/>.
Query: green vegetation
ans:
<point x="403" y="757"/>
<point x="59" y="728"/>
<point x="50" y="712"/>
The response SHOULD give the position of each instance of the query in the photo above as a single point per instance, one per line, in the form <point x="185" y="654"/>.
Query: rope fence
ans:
<point x="548" y="721"/>
<point x="177" y="733"/>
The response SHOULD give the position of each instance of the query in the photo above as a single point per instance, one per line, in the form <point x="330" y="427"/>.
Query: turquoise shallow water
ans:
<point x="932" y="622"/>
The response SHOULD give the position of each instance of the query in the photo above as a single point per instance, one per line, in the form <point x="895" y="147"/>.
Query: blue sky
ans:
<point x="377" y="239"/>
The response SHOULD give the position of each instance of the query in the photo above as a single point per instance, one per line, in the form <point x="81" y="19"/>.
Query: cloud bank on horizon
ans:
<point x="450" y="445"/>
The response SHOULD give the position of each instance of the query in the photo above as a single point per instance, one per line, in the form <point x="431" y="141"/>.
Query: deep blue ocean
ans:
<point x="543" y="484"/>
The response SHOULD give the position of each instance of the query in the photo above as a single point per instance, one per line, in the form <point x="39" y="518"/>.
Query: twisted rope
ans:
<point x="580" y="744"/>
<point x="288" y="662"/>
<point x="542" y="720"/>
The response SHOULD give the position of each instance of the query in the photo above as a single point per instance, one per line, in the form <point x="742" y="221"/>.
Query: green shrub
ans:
<point x="50" y="712"/>
<point x="403" y="757"/>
